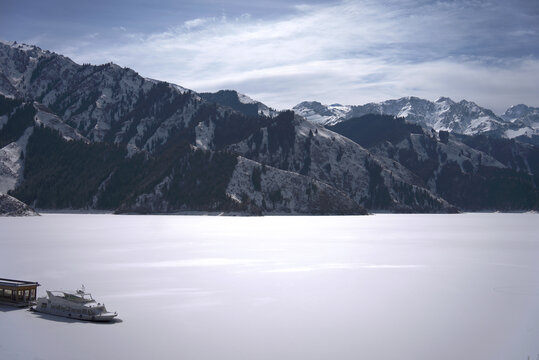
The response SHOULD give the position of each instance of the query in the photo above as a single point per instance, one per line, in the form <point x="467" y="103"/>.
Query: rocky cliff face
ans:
<point x="9" y="206"/>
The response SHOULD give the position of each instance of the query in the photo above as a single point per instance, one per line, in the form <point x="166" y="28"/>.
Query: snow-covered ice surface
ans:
<point x="206" y="287"/>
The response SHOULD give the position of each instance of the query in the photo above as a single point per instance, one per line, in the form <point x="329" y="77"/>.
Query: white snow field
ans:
<point x="386" y="286"/>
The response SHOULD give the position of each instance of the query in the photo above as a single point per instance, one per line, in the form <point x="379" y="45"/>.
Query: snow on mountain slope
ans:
<point x="102" y="103"/>
<point x="274" y="190"/>
<point x="181" y="88"/>
<point x="522" y="113"/>
<point x="317" y="113"/>
<point x="294" y="144"/>
<point x="239" y="102"/>
<point x="259" y="189"/>
<point x="111" y="104"/>
<point x="204" y="133"/>
<point x="524" y="121"/>
<point x="115" y="105"/>
<point x="467" y="158"/>
<point x="263" y="109"/>
<point x="12" y="162"/>
<point x="46" y="118"/>
<point x="523" y="131"/>
<point x="469" y="172"/>
<point x="6" y="89"/>
<point x="244" y="99"/>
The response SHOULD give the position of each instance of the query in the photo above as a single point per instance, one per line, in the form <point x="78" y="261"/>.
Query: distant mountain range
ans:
<point x="464" y="117"/>
<point x="103" y="137"/>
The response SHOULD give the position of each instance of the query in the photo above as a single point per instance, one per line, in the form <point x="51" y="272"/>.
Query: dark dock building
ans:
<point x="17" y="292"/>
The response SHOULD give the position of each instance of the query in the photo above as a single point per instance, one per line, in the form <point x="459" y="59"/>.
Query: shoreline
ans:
<point x="242" y="214"/>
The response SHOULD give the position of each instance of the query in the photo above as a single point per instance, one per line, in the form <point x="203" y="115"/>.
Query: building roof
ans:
<point x="17" y="283"/>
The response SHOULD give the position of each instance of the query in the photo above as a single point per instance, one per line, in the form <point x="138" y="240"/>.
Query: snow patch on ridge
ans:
<point x="181" y="89"/>
<point x="244" y="99"/>
<point x="283" y="191"/>
<point x="12" y="162"/>
<point x="526" y="131"/>
<point x="43" y="117"/>
<point x="204" y="135"/>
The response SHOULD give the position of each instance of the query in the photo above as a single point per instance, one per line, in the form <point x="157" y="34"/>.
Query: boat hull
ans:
<point x="106" y="317"/>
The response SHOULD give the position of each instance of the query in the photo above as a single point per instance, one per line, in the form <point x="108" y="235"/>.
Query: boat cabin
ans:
<point x="17" y="292"/>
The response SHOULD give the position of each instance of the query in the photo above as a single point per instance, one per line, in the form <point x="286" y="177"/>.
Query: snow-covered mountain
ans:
<point x="103" y="103"/>
<point x="318" y="113"/>
<point x="296" y="145"/>
<point x="521" y="113"/>
<point x="83" y="136"/>
<point x="463" y="117"/>
<point x="63" y="171"/>
<point x="109" y="104"/>
<point x="524" y="121"/>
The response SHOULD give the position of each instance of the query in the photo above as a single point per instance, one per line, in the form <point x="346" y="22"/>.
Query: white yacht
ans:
<point x="73" y="304"/>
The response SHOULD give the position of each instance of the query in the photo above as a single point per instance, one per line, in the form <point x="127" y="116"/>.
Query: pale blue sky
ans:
<point x="282" y="52"/>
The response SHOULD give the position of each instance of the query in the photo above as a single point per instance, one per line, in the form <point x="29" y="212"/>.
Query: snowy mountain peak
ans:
<point x="444" y="99"/>
<point x="244" y="99"/>
<point x="524" y="121"/>
<point x="464" y="117"/>
<point x="20" y="46"/>
<point x="319" y="113"/>
<point x="518" y="111"/>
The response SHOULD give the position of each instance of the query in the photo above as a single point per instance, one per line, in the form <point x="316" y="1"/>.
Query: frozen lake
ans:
<point x="441" y="287"/>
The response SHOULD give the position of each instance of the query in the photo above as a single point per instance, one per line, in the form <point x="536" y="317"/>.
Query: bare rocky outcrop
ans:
<point x="9" y="206"/>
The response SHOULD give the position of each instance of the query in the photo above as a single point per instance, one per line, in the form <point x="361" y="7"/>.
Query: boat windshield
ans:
<point x="78" y="297"/>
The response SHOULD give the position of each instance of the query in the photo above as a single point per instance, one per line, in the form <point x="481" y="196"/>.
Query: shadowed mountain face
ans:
<point x="103" y="137"/>
<point x="471" y="172"/>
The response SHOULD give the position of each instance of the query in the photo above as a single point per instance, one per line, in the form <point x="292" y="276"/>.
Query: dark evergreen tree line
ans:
<point x="67" y="174"/>
<point x="20" y="119"/>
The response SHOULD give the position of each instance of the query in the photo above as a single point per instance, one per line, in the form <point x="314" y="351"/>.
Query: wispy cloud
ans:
<point x="344" y="266"/>
<point x="197" y="23"/>
<point x="351" y="52"/>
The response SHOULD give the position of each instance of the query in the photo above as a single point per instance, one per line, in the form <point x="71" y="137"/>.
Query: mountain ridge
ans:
<point x="463" y="117"/>
<point x="103" y="137"/>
